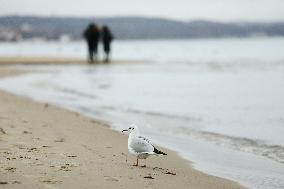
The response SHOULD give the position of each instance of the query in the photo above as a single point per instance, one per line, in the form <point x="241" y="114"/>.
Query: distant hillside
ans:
<point x="133" y="28"/>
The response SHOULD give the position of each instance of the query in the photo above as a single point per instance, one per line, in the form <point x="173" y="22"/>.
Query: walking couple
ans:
<point x="93" y="34"/>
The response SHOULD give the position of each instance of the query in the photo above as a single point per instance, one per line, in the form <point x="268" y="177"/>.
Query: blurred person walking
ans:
<point x="107" y="38"/>
<point x="91" y="35"/>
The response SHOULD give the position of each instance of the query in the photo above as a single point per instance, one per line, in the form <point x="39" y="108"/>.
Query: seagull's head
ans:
<point x="132" y="128"/>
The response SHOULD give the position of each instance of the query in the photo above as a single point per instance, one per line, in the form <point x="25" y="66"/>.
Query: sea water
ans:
<point x="219" y="103"/>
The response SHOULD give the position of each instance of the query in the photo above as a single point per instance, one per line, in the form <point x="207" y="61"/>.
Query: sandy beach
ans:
<point x="43" y="146"/>
<point x="42" y="60"/>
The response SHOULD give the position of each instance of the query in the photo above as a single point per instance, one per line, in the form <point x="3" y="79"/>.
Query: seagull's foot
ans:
<point x="136" y="164"/>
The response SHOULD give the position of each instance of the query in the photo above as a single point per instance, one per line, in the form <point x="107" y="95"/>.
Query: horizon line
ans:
<point x="140" y="16"/>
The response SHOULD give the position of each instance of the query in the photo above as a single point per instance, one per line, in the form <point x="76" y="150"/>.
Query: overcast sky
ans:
<point x="221" y="10"/>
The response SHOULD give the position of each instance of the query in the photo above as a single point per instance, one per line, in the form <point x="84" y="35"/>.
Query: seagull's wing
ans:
<point x="141" y="145"/>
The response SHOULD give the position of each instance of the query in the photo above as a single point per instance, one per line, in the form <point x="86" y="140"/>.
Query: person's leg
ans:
<point x="107" y="51"/>
<point x="107" y="57"/>
<point x="91" y="52"/>
<point x="91" y="56"/>
<point x="96" y="52"/>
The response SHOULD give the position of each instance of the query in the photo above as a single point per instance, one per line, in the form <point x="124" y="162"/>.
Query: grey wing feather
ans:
<point x="141" y="144"/>
<point x="145" y="139"/>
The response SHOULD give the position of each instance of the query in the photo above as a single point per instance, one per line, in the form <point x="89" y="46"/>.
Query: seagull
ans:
<point x="140" y="146"/>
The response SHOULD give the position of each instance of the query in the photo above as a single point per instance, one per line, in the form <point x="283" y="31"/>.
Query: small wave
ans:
<point x="235" y="65"/>
<point x="150" y="113"/>
<point x="185" y="118"/>
<point x="258" y="147"/>
<point x="74" y="92"/>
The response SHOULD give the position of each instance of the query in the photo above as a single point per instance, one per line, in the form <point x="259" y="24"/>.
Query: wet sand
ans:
<point x="43" y="146"/>
<point x="12" y="60"/>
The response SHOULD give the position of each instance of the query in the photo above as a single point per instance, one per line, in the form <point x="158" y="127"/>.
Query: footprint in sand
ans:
<point x="24" y="157"/>
<point x="16" y="182"/>
<point x="50" y="181"/>
<point x="7" y="153"/>
<point x="67" y="167"/>
<point x="113" y="179"/>
<point x="11" y="169"/>
<point x="46" y="105"/>
<point x="59" y="139"/>
<point x="2" y="131"/>
<point x="158" y="168"/>
<point x="149" y="177"/>
<point x="27" y="132"/>
<point x="20" y="145"/>
<point x="24" y="121"/>
<point x="170" y="173"/>
<point x="33" y="149"/>
<point x="165" y="171"/>
<point x="71" y="156"/>
<point x="64" y="168"/>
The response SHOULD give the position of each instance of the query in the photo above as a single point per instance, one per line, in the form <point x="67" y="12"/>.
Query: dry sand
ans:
<point x="10" y="60"/>
<point x="43" y="146"/>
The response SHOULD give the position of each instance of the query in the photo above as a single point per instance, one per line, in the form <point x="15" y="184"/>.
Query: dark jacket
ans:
<point x="107" y="37"/>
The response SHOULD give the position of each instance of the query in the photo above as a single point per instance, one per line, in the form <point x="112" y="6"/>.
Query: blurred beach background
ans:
<point x="209" y="86"/>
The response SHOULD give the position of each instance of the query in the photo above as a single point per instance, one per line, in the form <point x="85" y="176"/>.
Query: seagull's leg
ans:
<point x="136" y="162"/>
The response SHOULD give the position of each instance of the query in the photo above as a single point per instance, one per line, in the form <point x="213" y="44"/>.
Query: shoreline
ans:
<point x="42" y="60"/>
<point x="40" y="149"/>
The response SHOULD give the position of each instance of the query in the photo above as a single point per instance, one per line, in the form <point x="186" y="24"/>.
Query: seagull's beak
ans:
<point x="124" y="130"/>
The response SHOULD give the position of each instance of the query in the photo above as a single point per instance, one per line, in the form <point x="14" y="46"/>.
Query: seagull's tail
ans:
<point x="159" y="152"/>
